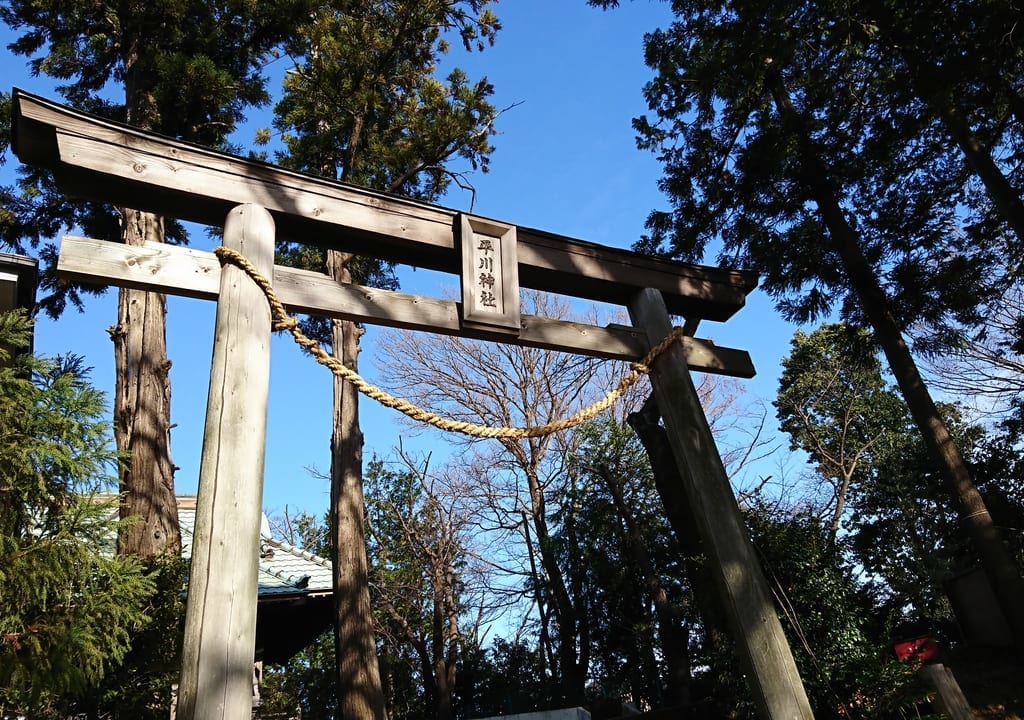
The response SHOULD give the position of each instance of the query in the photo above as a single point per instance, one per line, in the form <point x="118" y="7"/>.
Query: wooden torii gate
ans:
<point x="104" y="161"/>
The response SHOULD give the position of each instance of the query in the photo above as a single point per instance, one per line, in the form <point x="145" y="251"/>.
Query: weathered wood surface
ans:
<point x="220" y="619"/>
<point x="106" y="161"/>
<point x="489" y="254"/>
<point x="949" y="698"/>
<point x="771" y="672"/>
<point x="193" y="273"/>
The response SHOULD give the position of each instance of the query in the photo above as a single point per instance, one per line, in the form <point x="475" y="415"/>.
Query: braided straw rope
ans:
<point x="282" y="321"/>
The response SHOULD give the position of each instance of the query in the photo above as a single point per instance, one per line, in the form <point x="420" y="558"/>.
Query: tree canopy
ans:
<point x="866" y="160"/>
<point x="185" y="68"/>
<point x="795" y="142"/>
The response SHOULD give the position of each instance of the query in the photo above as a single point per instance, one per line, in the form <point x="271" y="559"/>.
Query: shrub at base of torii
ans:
<point x="68" y="606"/>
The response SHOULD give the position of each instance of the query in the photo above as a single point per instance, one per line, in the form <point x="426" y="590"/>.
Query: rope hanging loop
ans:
<point x="281" y="320"/>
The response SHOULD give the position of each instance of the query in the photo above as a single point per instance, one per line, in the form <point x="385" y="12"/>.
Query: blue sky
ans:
<point x="566" y="162"/>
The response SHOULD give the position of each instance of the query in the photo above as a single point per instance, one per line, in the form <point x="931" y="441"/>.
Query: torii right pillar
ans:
<point x="763" y="649"/>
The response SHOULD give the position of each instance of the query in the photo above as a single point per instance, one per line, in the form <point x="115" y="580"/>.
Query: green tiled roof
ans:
<point x="284" y="569"/>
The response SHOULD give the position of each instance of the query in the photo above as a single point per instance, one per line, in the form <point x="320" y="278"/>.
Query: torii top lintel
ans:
<point x="106" y="161"/>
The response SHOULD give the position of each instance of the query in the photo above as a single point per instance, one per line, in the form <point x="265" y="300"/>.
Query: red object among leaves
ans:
<point x="919" y="649"/>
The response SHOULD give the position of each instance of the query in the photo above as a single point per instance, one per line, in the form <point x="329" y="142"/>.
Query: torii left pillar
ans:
<point x="220" y="620"/>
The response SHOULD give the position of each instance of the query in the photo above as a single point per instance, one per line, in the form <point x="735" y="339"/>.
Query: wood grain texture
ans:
<point x="949" y="699"/>
<point x="220" y="620"/>
<point x="105" y="161"/>
<point x="194" y="273"/>
<point x="746" y="601"/>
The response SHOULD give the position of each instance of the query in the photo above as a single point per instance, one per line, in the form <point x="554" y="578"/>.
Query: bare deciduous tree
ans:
<point x="986" y="369"/>
<point x="525" y="488"/>
<point x="425" y="577"/>
<point x="505" y="386"/>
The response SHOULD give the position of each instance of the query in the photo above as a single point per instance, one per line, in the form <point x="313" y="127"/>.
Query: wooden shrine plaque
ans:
<point x="490" y="274"/>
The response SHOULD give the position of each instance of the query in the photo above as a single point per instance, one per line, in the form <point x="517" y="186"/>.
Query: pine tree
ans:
<point x="68" y="606"/>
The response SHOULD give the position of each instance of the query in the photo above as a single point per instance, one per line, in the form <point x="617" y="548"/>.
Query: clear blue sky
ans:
<point x="566" y="161"/>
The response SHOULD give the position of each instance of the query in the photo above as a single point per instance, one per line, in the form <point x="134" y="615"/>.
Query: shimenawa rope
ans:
<point x="282" y="321"/>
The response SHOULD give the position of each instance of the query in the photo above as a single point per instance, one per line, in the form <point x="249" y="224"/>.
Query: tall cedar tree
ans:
<point x="779" y="138"/>
<point x="68" y="609"/>
<point x="188" y="69"/>
<point x="364" y="106"/>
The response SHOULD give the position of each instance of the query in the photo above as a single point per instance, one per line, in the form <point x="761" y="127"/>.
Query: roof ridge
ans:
<point x="298" y="581"/>
<point x="297" y="551"/>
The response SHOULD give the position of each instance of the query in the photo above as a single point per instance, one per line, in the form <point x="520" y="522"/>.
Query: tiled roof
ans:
<point x="284" y="569"/>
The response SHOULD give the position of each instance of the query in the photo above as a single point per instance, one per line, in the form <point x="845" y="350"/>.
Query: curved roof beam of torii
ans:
<point x="102" y="160"/>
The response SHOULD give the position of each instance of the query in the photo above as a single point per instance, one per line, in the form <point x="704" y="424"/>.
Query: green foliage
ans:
<point x="68" y="607"/>
<point x="832" y="373"/>
<point x="998" y="463"/>
<point x="188" y="69"/>
<point x="848" y="669"/>
<point x="834" y="623"/>
<point x="903" y="532"/>
<point x="416" y="543"/>
<point x="627" y="637"/>
<point x="5" y="125"/>
<point x="738" y="169"/>
<point x="842" y="651"/>
<point x="836" y="406"/>
<point x="364" y="105"/>
<point x="305" y="686"/>
<point x="140" y="686"/>
<point x="507" y="678"/>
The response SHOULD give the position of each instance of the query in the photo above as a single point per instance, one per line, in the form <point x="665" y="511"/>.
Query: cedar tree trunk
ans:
<point x="142" y="392"/>
<point x="142" y="410"/>
<point x="360" y="696"/>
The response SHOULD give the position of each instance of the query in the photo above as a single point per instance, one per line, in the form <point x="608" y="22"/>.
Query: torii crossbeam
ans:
<point x="113" y="163"/>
